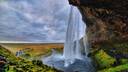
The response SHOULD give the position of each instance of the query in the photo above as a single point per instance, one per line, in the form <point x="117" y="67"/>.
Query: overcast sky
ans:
<point x="33" y="20"/>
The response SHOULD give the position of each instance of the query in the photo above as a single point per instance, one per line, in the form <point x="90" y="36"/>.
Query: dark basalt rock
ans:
<point x="2" y="58"/>
<point x="2" y="63"/>
<point x="80" y="66"/>
<point x="106" y="19"/>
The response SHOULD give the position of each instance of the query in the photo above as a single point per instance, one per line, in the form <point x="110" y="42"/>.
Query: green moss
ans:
<point x="121" y="47"/>
<point x="124" y="61"/>
<point x="22" y="65"/>
<point x="103" y="59"/>
<point x="11" y="69"/>
<point x="30" y="66"/>
<point x="116" y="69"/>
<point x="7" y="54"/>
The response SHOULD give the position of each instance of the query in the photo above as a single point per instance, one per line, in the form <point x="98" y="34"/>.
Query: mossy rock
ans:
<point x="119" y="68"/>
<point x="124" y="61"/>
<point x="103" y="60"/>
<point x="114" y="48"/>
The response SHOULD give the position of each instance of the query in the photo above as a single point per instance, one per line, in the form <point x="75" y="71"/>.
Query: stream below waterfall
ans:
<point x="56" y="60"/>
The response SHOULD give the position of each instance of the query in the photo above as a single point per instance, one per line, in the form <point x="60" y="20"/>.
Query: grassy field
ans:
<point x="33" y="49"/>
<point x="11" y="63"/>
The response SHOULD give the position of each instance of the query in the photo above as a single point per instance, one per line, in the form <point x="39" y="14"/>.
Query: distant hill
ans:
<point x="23" y="42"/>
<point x="34" y="49"/>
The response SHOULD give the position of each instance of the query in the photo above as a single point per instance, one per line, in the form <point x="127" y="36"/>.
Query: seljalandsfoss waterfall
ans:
<point x="75" y="33"/>
<point x="63" y="35"/>
<point x="74" y="57"/>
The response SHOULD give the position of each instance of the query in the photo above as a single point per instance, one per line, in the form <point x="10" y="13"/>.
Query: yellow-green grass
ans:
<point x="6" y="53"/>
<point x="119" y="68"/>
<point x="33" y="49"/>
<point x="104" y="60"/>
<point x="16" y="64"/>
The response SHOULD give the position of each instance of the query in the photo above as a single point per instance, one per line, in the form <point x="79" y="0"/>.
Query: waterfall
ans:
<point x="75" y="32"/>
<point x="74" y="57"/>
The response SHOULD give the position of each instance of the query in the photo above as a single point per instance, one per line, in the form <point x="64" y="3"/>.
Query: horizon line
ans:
<point x="20" y="42"/>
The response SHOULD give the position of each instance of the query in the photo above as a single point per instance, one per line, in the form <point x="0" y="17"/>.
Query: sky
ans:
<point x="33" y="20"/>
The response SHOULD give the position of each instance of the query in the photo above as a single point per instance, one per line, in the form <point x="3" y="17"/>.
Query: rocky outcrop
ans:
<point x="2" y="63"/>
<point x="107" y="26"/>
<point x="107" y="20"/>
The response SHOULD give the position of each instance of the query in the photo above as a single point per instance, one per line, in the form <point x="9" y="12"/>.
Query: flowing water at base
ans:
<point x="57" y="61"/>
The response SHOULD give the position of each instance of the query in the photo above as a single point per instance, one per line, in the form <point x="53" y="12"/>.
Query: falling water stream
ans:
<point x="75" y="32"/>
<point x="74" y="57"/>
<point x="52" y="14"/>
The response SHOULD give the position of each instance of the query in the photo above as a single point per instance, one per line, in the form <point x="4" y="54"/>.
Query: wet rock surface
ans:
<point x="80" y="66"/>
<point x="57" y="62"/>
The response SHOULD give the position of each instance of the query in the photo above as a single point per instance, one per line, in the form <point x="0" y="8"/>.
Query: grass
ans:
<point x="17" y="64"/>
<point x="35" y="50"/>
<point x="7" y="54"/>
<point x="103" y="59"/>
<point x="106" y="63"/>
<point x="30" y="66"/>
<point x="119" y="68"/>
<point x="124" y="61"/>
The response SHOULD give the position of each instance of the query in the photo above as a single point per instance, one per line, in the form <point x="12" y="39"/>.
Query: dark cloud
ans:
<point x="32" y="20"/>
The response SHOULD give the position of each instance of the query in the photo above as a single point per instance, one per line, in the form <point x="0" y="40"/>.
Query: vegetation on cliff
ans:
<point x="17" y="64"/>
<point x="120" y="68"/>
<point x="106" y="63"/>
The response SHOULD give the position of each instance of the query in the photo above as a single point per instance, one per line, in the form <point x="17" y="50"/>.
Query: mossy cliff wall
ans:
<point x="107" y="30"/>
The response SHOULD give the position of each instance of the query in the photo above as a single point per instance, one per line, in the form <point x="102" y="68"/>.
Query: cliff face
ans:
<point x="107" y="30"/>
<point x="107" y="20"/>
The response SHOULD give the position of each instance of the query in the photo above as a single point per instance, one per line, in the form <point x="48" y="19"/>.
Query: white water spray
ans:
<point x="75" y="47"/>
<point x="75" y="32"/>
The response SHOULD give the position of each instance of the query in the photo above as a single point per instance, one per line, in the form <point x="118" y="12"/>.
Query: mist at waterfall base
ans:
<point x="74" y="57"/>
